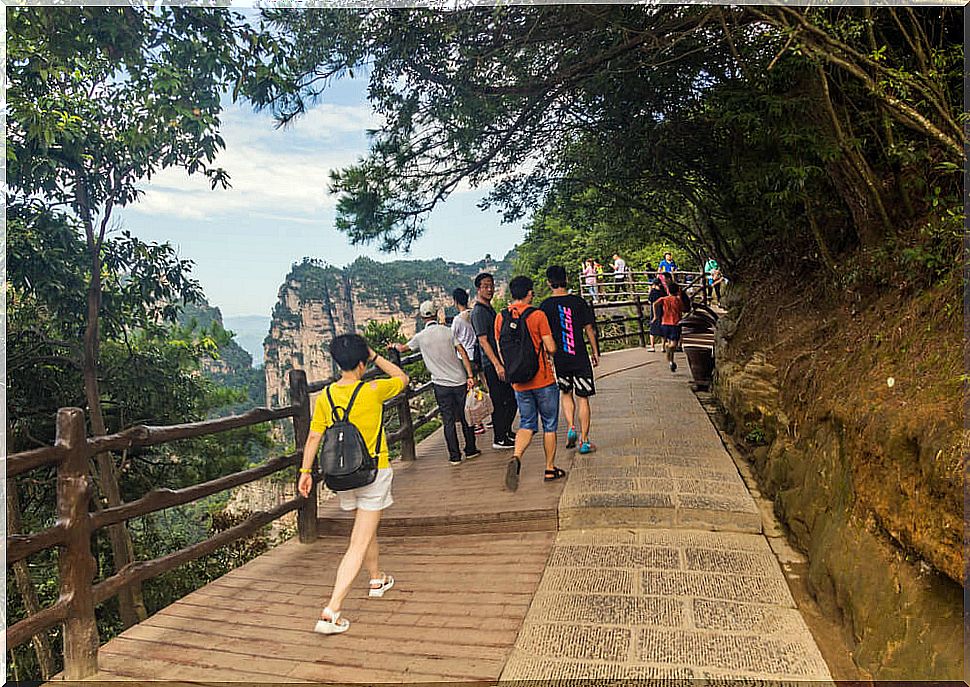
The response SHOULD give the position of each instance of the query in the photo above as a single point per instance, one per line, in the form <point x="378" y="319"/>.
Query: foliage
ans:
<point x="720" y="131"/>
<point x="380" y="335"/>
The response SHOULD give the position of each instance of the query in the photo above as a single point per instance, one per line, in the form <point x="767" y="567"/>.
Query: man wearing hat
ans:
<point x="451" y="375"/>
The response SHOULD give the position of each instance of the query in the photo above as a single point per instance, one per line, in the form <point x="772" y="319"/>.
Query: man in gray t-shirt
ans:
<point x="451" y="375"/>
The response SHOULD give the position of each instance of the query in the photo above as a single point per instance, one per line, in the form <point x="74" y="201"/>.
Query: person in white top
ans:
<point x="619" y="274"/>
<point x="589" y="276"/>
<point x="461" y="325"/>
<point x="464" y="331"/>
<point x="451" y="377"/>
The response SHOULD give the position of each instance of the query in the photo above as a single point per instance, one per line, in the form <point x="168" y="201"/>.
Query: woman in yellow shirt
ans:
<point x="351" y="353"/>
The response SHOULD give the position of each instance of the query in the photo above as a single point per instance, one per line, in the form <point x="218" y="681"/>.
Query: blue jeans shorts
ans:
<point x="536" y="403"/>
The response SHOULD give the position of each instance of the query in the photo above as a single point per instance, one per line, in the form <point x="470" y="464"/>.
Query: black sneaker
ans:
<point x="455" y="461"/>
<point x="473" y="454"/>
<point x="673" y="366"/>
<point x="512" y="474"/>
<point x="504" y="443"/>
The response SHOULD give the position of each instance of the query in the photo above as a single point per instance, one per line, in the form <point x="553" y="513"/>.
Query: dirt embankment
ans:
<point x="850" y="406"/>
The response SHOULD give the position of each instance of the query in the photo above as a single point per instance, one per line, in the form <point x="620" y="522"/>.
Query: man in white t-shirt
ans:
<point x="451" y="377"/>
<point x="619" y="274"/>
<point x="462" y="327"/>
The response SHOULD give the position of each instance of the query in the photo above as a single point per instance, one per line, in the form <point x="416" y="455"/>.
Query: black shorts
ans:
<point x="581" y="384"/>
<point x="671" y="332"/>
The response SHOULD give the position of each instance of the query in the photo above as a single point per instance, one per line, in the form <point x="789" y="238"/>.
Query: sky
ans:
<point x="244" y="240"/>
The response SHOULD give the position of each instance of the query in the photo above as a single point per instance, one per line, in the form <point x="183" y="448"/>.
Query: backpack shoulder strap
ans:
<point x="353" y="397"/>
<point x="335" y="417"/>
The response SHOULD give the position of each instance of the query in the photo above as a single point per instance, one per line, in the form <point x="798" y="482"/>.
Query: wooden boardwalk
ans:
<point x="480" y="572"/>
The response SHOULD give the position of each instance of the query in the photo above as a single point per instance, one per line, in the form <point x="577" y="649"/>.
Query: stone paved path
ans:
<point x="660" y="569"/>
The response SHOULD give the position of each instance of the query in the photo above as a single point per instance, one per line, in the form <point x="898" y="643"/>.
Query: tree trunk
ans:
<point x="130" y="602"/>
<point x="40" y="642"/>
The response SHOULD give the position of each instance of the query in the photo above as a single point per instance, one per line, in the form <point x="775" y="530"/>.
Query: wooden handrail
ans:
<point x="160" y="499"/>
<point x="372" y="373"/>
<point x="144" y="435"/>
<point x="427" y="417"/>
<point x="34" y="458"/>
<point x="19" y="546"/>
<point x="143" y="570"/>
<point x="22" y="631"/>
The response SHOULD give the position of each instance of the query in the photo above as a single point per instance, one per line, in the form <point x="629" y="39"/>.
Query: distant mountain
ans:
<point x="250" y="330"/>
<point x="318" y="301"/>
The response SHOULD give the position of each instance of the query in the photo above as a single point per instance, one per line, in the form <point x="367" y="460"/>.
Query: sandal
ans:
<point x="554" y="474"/>
<point x="335" y="625"/>
<point x="385" y="582"/>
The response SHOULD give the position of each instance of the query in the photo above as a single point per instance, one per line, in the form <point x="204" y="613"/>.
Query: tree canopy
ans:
<point x="717" y="127"/>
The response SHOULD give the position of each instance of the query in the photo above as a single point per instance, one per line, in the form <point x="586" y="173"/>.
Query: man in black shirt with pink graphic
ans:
<point x="569" y="318"/>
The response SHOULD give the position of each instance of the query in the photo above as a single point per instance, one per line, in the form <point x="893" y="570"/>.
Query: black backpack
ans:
<point x="345" y="461"/>
<point x="519" y="355"/>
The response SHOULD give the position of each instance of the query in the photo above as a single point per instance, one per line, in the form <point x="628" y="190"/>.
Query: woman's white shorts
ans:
<point x="374" y="496"/>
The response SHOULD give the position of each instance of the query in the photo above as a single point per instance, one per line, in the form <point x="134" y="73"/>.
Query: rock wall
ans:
<point x="901" y="607"/>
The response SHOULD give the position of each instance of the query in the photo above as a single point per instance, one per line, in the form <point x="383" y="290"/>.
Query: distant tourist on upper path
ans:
<point x="589" y="278"/>
<point x="503" y="398"/>
<point x="672" y="307"/>
<point x="525" y="343"/>
<point x="451" y="378"/>
<point x="716" y="279"/>
<point x="709" y="268"/>
<point x="619" y="275"/>
<point x="599" y="278"/>
<point x="463" y="330"/>
<point x="658" y="289"/>
<point x="351" y="353"/>
<point x="570" y="317"/>
<point x="667" y="264"/>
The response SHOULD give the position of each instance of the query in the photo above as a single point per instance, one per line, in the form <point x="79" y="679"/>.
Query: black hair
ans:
<point x="482" y="277"/>
<point x="460" y="296"/>
<point x="520" y="287"/>
<point x="349" y="351"/>
<point x="673" y="288"/>
<point x="556" y="274"/>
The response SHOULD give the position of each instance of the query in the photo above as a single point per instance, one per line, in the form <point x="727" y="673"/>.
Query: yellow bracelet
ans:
<point x="306" y="470"/>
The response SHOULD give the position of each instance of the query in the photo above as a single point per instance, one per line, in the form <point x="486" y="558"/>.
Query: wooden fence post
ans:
<point x="408" y="446"/>
<point x="404" y="416"/>
<point x="75" y="562"/>
<point x="306" y="519"/>
<point x="643" y="339"/>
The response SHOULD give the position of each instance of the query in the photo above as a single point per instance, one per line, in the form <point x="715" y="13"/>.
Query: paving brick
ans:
<point x="577" y="642"/>
<point x="608" y="609"/>
<point x="767" y="656"/>
<point x="715" y="586"/>
<point x="591" y="580"/>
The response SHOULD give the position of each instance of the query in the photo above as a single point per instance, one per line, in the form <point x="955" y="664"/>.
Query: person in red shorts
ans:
<point x="671" y="308"/>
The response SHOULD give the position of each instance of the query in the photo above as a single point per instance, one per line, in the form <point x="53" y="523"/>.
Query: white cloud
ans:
<point x="271" y="171"/>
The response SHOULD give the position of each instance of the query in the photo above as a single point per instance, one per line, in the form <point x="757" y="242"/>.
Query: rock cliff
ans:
<point x="851" y="416"/>
<point x="318" y="301"/>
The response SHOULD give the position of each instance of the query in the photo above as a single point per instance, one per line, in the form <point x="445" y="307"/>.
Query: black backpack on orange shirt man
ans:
<point x="519" y="355"/>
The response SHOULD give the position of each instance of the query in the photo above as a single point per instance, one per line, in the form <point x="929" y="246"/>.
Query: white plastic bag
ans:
<point x="478" y="406"/>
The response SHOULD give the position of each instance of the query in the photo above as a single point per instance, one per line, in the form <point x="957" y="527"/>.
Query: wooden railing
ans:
<point x="638" y="282"/>
<point x="634" y="298"/>
<point x="72" y="533"/>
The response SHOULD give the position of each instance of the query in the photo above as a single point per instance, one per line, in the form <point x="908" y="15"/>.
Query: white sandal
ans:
<point x="334" y="626"/>
<point x="385" y="581"/>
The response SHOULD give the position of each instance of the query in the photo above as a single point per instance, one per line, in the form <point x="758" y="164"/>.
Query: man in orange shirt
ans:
<point x="525" y="352"/>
